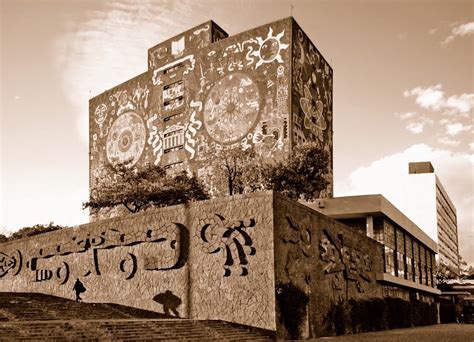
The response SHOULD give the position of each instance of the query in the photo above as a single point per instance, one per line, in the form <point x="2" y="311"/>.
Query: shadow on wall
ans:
<point x="169" y="302"/>
<point x="292" y="303"/>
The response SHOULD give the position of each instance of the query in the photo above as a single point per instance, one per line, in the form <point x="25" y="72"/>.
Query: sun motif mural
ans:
<point x="270" y="48"/>
<point x="231" y="108"/>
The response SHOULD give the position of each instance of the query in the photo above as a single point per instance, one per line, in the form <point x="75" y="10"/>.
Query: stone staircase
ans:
<point x="37" y="317"/>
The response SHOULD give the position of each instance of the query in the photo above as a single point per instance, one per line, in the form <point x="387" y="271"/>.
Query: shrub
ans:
<point x="292" y="303"/>
<point x="374" y="314"/>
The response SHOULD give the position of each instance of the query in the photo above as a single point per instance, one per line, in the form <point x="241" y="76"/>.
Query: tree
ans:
<point x="3" y="238"/>
<point x="466" y="271"/>
<point x="302" y="175"/>
<point x="443" y="275"/>
<point x="234" y="171"/>
<point x="31" y="231"/>
<point x="138" y="189"/>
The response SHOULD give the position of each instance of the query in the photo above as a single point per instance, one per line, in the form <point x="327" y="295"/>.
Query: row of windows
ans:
<point x="399" y="265"/>
<point x="445" y="242"/>
<point x="445" y="228"/>
<point x="439" y="196"/>
<point x="404" y="256"/>
<point x="451" y="225"/>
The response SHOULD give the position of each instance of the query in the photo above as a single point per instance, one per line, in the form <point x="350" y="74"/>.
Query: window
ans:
<point x="173" y="96"/>
<point x="389" y="261"/>
<point x="400" y="265"/>
<point x="409" y="269"/>
<point x="172" y="69"/>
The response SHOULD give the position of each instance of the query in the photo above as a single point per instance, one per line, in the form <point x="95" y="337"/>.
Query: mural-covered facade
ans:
<point x="265" y="89"/>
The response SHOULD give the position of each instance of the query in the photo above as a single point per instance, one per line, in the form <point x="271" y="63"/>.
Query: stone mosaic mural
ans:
<point x="321" y="262"/>
<point x="311" y="97"/>
<point x="205" y="92"/>
<point x="207" y="260"/>
<point x="258" y="259"/>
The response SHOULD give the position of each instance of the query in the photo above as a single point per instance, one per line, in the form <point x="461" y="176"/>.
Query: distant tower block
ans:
<point x="437" y="212"/>
<point x="267" y="89"/>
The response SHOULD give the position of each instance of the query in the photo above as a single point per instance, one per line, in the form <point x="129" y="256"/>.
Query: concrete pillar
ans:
<point x="370" y="226"/>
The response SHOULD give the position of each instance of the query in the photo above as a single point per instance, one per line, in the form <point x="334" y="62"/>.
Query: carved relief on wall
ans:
<point x="10" y="263"/>
<point x="344" y="261"/>
<point x="170" y="244"/>
<point x="298" y="238"/>
<point x="232" y="238"/>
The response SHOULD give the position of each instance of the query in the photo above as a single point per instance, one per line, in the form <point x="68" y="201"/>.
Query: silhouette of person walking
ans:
<point x="169" y="301"/>
<point x="79" y="288"/>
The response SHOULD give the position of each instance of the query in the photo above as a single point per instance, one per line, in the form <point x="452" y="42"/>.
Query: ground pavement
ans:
<point x="432" y="333"/>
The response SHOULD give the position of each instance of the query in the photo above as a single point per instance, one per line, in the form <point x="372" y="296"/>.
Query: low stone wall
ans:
<point x="207" y="260"/>
<point x="259" y="259"/>
<point x="318" y="263"/>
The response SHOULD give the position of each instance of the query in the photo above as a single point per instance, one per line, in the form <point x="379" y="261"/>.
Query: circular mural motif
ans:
<point x="231" y="108"/>
<point x="126" y="139"/>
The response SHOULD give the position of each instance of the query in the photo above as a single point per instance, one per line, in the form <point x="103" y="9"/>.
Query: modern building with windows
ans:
<point x="436" y="212"/>
<point x="409" y="253"/>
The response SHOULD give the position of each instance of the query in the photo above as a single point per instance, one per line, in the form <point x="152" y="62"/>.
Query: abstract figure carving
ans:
<point x="299" y="237"/>
<point x="344" y="258"/>
<point x="10" y="263"/>
<point x="229" y="237"/>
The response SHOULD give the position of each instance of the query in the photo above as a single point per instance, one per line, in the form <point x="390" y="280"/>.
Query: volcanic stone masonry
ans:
<point x="242" y="259"/>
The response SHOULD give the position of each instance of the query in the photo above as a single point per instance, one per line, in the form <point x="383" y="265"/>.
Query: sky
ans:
<point x="403" y="90"/>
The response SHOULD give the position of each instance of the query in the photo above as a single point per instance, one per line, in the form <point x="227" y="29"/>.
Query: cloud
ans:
<point x="471" y="146"/>
<point x="415" y="127"/>
<point x="389" y="176"/>
<point x="406" y="115"/>
<point x="111" y="45"/>
<point x="416" y="123"/>
<point x="433" y="98"/>
<point x="456" y="128"/>
<point x="428" y="98"/>
<point x="461" y="104"/>
<point x="418" y="126"/>
<point x="448" y="142"/>
<point x="459" y="31"/>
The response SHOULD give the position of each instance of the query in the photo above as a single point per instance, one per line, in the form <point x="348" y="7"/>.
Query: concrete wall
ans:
<point x="215" y="256"/>
<point x="323" y="261"/>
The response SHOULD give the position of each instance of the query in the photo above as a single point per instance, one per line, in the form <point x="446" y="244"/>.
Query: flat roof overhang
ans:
<point x="373" y="205"/>
<point x="393" y="280"/>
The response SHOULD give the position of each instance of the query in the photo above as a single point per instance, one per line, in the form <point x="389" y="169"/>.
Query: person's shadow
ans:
<point x="169" y="302"/>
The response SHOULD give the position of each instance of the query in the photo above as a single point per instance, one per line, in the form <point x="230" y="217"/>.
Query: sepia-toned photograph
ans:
<point x="237" y="170"/>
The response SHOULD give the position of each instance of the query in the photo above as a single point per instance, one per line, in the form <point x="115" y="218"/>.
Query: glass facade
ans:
<point x="409" y="257"/>
<point x="400" y="243"/>
<point x="389" y="260"/>
<point x="416" y="261"/>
